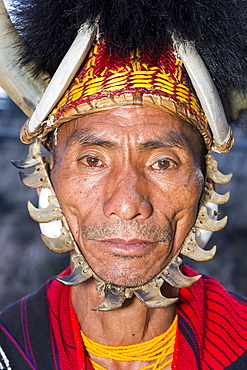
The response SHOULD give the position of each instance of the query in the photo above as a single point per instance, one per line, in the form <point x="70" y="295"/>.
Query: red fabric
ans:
<point x="212" y="326"/>
<point x="212" y="331"/>
<point x="65" y="346"/>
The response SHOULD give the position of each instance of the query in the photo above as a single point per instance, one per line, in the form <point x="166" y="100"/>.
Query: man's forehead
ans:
<point x="159" y="139"/>
<point x="130" y="116"/>
<point x="146" y="125"/>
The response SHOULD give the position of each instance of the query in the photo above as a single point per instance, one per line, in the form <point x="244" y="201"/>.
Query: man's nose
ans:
<point x="128" y="198"/>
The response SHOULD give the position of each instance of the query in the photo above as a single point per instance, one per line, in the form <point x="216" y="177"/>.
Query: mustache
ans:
<point x="127" y="229"/>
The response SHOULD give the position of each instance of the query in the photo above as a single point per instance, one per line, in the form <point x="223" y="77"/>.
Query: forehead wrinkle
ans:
<point x="87" y="138"/>
<point x="173" y="139"/>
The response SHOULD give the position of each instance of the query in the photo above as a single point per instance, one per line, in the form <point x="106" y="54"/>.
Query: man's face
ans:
<point x="129" y="181"/>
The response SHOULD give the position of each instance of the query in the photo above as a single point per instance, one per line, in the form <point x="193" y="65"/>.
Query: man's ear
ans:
<point x="51" y="163"/>
<point x="38" y="190"/>
<point x="48" y="161"/>
<point x="212" y="182"/>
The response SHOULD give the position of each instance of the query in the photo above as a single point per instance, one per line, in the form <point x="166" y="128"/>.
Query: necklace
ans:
<point x="156" y="350"/>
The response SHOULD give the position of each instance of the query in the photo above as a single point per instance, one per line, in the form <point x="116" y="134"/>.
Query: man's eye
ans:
<point x="92" y="162"/>
<point x="162" y="164"/>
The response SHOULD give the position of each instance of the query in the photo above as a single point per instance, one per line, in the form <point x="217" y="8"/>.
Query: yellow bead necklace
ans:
<point x="156" y="350"/>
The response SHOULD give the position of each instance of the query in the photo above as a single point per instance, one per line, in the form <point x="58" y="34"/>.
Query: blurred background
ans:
<point x="25" y="263"/>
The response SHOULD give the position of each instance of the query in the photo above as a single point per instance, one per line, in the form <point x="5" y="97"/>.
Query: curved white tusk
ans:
<point x="64" y="75"/>
<point x="205" y="90"/>
<point x="17" y="81"/>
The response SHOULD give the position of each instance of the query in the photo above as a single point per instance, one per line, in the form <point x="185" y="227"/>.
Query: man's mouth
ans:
<point x="130" y="247"/>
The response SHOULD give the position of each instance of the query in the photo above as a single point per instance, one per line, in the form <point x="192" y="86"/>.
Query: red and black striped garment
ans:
<point x="37" y="333"/>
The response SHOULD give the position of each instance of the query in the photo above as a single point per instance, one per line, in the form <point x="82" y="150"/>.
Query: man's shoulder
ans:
<point x="35" y="301"/>
<point x="238" y="297"/>
<point x="24" y="329"/>
<point x="213" y="288"/>
<point x="208" y="289"/>
<point x="214" y="322"/>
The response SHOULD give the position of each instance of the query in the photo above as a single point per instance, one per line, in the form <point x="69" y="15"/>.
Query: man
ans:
<point x="129" y="186"/>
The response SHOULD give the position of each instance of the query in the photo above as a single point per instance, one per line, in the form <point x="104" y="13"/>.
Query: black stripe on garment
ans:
<point x="30" y="331"/>
<point x="240" y="364"/>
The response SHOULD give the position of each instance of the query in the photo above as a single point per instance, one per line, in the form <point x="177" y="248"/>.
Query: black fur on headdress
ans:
<point x="218" y="28"/>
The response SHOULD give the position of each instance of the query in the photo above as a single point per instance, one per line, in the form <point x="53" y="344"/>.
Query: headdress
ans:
<point x="132" y="52"/>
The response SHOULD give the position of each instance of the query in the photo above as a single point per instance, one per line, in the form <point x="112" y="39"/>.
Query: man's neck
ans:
<point x="131" y="324"/>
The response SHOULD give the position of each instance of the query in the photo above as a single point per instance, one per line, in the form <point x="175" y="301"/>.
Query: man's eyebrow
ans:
<point x="87" y="138"/>
<point x="174" y="139"/>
